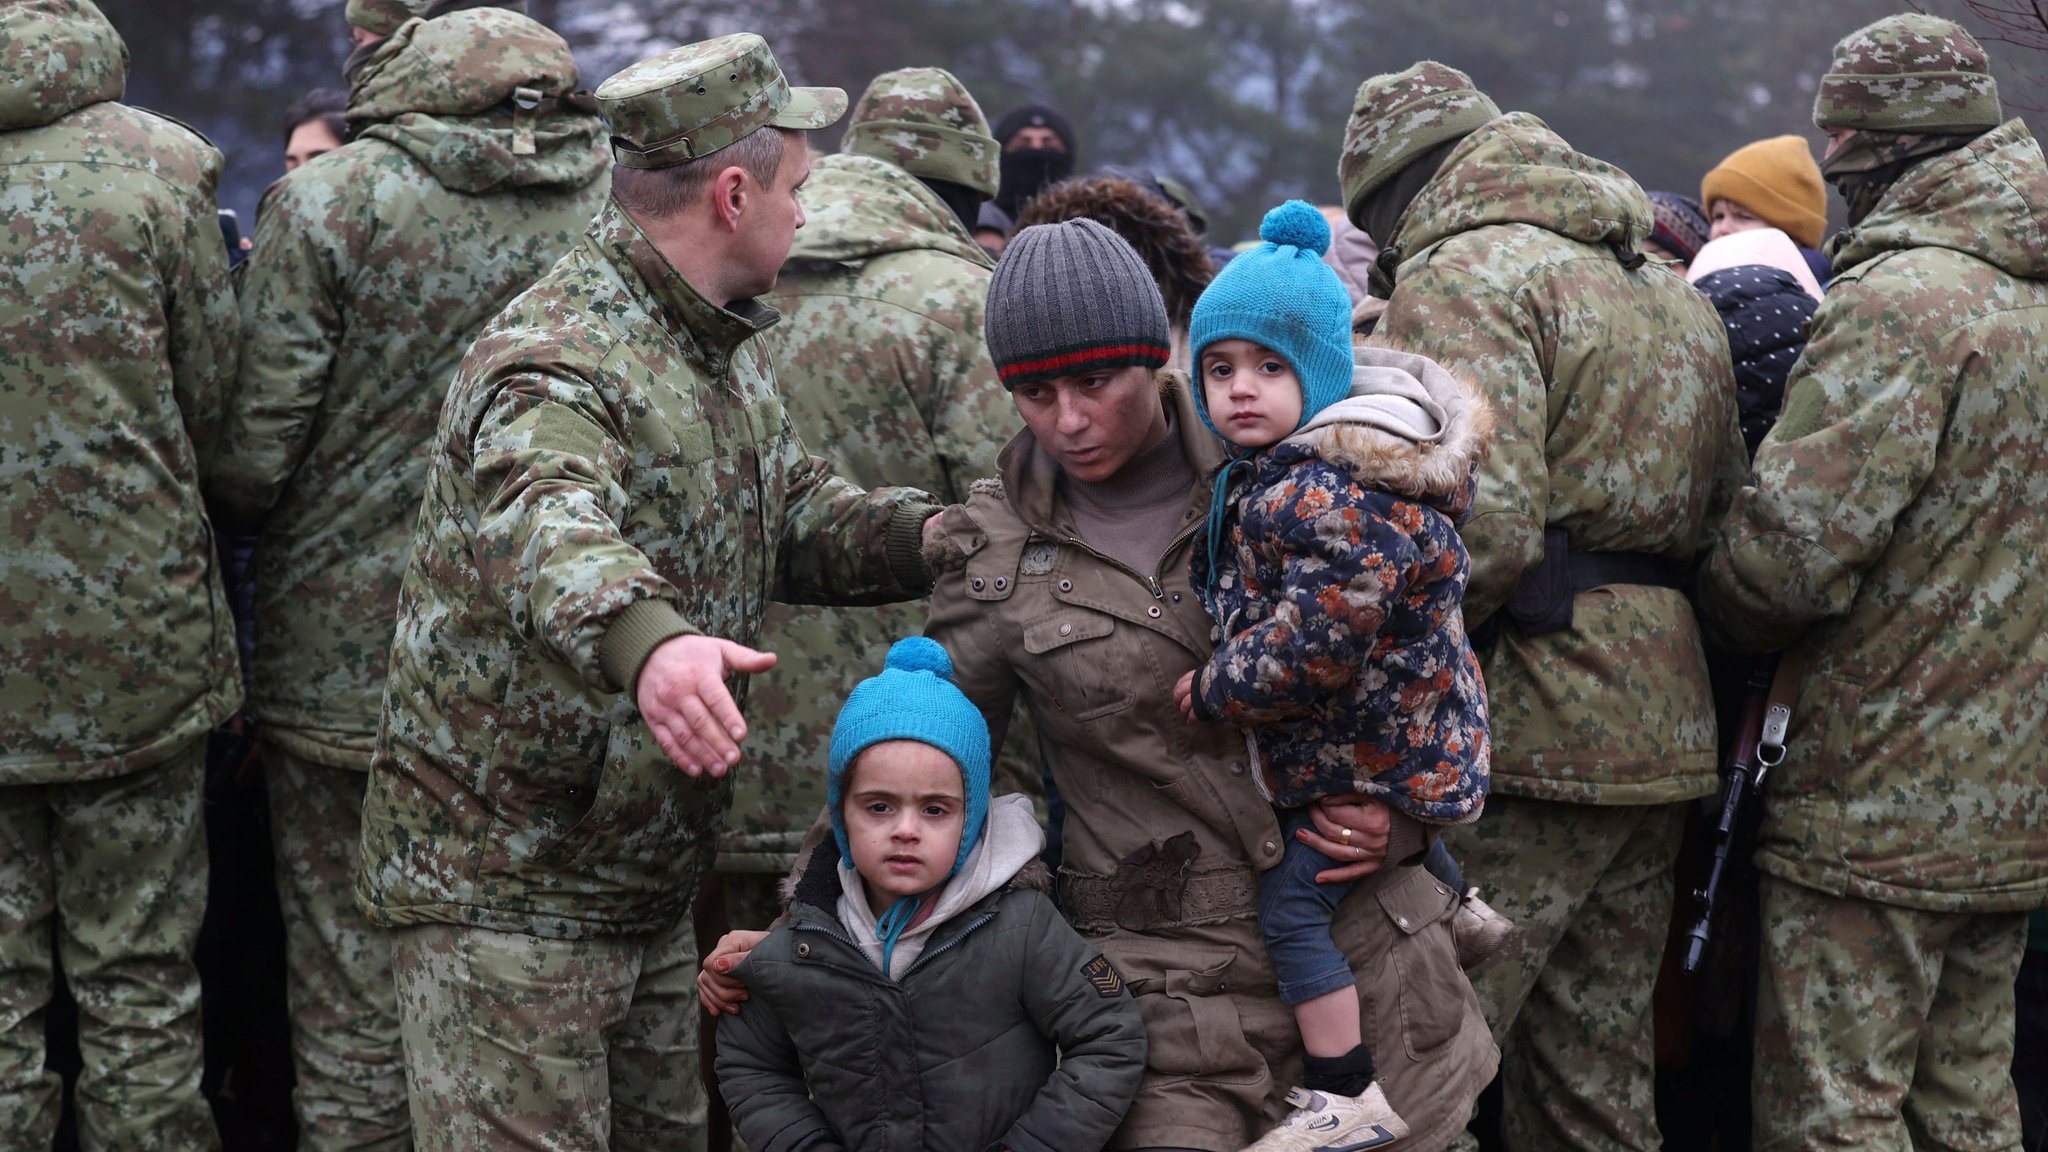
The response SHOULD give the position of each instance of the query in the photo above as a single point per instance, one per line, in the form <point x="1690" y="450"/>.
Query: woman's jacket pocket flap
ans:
<point x="1064" y="629"/>
<point x="1416" y="901"/>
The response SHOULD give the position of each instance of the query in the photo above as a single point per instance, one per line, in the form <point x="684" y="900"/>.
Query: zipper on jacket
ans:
<point x="928" y="953"/>
<point x="1152" y="583"/>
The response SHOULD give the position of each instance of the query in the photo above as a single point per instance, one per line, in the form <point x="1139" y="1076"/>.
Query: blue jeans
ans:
<point x="1295" y="914"/>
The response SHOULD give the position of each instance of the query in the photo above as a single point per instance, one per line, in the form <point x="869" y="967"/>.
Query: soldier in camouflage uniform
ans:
<point x="613" y="497"/>
<point x="117" y="653"/>
<point x="881" y="360"/>
<point x="1895" y="519"/>
<point x="1516" y="262"/>
<point x="471" y="169"/>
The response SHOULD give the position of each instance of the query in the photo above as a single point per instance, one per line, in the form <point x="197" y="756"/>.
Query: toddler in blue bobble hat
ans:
<point x="921" y="960"/>
<point x="1332" y="565"/>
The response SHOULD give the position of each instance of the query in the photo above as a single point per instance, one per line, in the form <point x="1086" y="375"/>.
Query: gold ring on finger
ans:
<point x="1345" y="835"/>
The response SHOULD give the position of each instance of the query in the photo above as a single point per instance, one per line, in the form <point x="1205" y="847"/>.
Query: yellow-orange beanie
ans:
<point x="1778" y="182"/>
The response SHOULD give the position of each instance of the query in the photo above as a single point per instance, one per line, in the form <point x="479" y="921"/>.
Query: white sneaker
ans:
<point x="1326" y="1122"/>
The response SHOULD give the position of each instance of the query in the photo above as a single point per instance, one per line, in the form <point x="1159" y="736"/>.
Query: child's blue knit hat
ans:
<point x="1281" y="294"/>
<point x="913" y="699"/>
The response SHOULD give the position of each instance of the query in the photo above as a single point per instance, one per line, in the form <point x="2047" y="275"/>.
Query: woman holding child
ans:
<point x="1067" y="579"/>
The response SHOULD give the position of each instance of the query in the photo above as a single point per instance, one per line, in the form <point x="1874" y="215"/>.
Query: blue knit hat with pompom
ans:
<point x="1281" y="295"/>
<point x="913" y="699"/>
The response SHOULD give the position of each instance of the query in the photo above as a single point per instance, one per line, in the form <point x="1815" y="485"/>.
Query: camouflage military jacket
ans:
<point x="881" y="361"/>
<point x="117" y="342"/>
<point x="1896" y="518"/>
<point x="612" y="442"/>
<point x="375" y="266"/>
<point x="1615" y="420"/>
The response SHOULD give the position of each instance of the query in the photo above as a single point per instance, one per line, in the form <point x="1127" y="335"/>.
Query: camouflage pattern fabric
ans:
<point x="1895" y="521"/>
<point x="374" y="268"/>
<point x="120" y="866"/>
<point x="1884" y="1027"/>
<point x="1398" y="116"/>
<point x="1615" y="420"/>
<point x="1589" y="888"/>
<point x="345" y="1048"/>
<point x="692" y="101"/>
<point x="117" y="648"/>
<point x="516" y="1041"/>
<point x="611" y="441"/>
<point x="924" y="121"/>
<point x="1909" y="73"/>
<point x="881" y="363"/>
<point x="381" y="17"/>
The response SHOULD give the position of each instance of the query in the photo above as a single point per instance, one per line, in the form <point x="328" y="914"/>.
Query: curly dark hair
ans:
<point x="1158" y="230"/>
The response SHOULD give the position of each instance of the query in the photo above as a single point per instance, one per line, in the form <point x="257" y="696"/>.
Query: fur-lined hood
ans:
<point x="1408" y="427"/>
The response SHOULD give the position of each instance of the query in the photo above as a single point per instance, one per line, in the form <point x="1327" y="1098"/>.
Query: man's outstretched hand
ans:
<point x="683" y="698"/>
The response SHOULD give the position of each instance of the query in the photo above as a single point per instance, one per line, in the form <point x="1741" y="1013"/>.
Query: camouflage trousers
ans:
<point x="1590" y="890"/>
<point x="119" y="866"/>
<point x="1884" y="1028"/>
<point x="516" y="1041"/>
<point x="345" y="1049"/>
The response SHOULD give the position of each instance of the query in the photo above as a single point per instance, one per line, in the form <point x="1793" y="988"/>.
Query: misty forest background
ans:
<point x="1245" y="100"/>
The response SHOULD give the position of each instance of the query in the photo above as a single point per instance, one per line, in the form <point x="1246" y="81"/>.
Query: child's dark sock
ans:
<point x="1346" y="1075"/>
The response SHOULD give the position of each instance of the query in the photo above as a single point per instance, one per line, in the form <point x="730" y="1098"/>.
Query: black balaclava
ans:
<point x="1027" y="170"/>
<point x="1379" y="214"/>
<point x="964" y="201"/>
<point x="1864" y="168"/>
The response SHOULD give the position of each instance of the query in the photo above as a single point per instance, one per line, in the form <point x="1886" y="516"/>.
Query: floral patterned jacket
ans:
<point x="1337" y="579"/>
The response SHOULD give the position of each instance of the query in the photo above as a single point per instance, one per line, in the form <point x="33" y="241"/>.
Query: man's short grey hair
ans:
<point x="660" y="192"/>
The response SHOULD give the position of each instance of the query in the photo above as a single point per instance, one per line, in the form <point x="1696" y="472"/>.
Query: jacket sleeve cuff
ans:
<point x="633" y="636"/>
<point x="1407" y="839"/>
<point x="906" y="545"/>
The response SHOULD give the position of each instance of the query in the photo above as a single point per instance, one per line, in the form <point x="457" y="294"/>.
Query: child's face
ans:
<point x="904" y="811"/>
<point x="1253" y="395"/>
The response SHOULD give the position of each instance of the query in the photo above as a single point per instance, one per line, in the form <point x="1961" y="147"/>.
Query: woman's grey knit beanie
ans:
<point x="1070" y="298"/>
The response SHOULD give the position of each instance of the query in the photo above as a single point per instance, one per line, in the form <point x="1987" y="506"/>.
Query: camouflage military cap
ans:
<point x="1398" y="116"/>
<point x="1909" y="73"/>
<point x="694" y="100"/>
<point x="924" y="121"/>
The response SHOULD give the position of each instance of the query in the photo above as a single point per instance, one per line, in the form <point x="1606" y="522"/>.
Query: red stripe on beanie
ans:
<point x="1071" y="360"/>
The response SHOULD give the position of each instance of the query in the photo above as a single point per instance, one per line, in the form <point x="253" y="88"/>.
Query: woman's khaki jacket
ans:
<point x="1165" y="829"/>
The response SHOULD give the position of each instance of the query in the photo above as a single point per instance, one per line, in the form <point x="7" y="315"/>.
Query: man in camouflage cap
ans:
<point x="472" y="168"/>
<point x="117" y="651"/>
<point x="612" y="499"/>
<point x="881" y="360"/>
<point x="1517" y="263"/>
<point x="1894" y="525"/>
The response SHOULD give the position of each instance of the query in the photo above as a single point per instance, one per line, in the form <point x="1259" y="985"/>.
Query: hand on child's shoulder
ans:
<point x="1184" y="695"/>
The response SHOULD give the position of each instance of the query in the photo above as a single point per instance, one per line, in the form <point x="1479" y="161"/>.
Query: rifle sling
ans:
<point x="1770" y="746"/>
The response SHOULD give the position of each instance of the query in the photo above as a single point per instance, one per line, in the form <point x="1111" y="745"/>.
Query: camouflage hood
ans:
<point x="1981" y="200"/>
<point x="858" y="208"/>
<point x="1515" y="170"/>
<point x="485" y="99"/>
<point x="56" y="56"/>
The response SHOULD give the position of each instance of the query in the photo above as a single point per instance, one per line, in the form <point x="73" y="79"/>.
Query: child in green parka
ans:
<point x="922" y="992"/>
